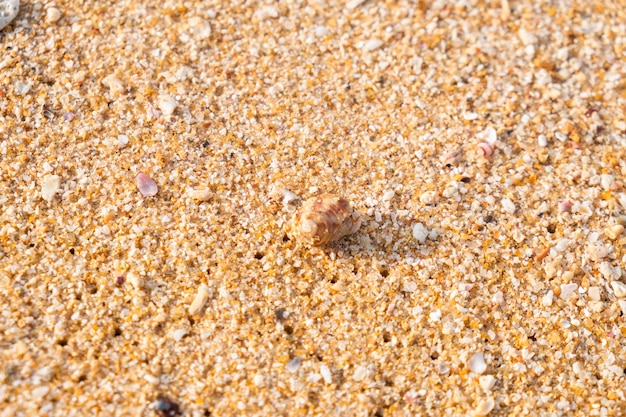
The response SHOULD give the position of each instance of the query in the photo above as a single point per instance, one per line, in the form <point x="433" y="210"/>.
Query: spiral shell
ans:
<point x="324" y="219"/>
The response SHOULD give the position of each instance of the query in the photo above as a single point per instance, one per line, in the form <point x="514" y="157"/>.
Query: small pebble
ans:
<point x="477" y="363"/>
<point x="622" y="305"/>
<point x="258" y="380"/>
<point x="202" y="194"/>
<point x="487" y="382"/>
<point x="122" y="140"/>
<point x="508" y="205"/>
<point x="470" y="116"/>
<point x="294" y="365"/>
<point x="179" y="334"/>
<point x="266" y="13"/>
<point x="614" y="232"/>
<point x="594" y="293"/>
<point x="114" y="85"/>
<point x="50" y="186"/>
<point x="429" y="197"/>
<point x="372" y="44"/>
<point x="135" y="280"/>
<point x="325" y="372"/>
<point x="167" y="104"/>
<point x="147" y="187"/>
<point x="568" y="290"/>
<point x="53" y="15"/>
<point x="8" y="11"/>
<point x="388" y="196"/>
<point x="547" y="299"/>
<point x="200" y="299"/>
<point x="490" y="135"/>
<point x="527" y="38"/>
<point x="485" y="406"/>
<point x="619" y="289"/>
<point x="420" y="233"/>
<point x="542" y="141"/>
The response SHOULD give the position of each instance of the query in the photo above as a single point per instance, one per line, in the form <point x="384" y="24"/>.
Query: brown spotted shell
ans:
<point x="324" y="219"/>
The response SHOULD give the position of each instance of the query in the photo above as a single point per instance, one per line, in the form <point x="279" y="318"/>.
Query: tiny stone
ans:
<point x="429" y="197"/>
<point x="388" y="196"/>
<point x="619" y="289"/>
<point x="201" y="194"/>
<point x="508" y="205"/>
<point x="135" y="280"/>
<point x="266" y="13"/>
<point x="40" y="392"/>
<point x="527" y="38"/>
<point x="8" y="11"/>
<point x="53" y="15"/>
<point x="622" y="305"/>
<point x="372" y="44"/>
<point x="167" y="104"/>
<point x="122" y="140"/>
<point x="609" y="272"/>
<point x="258" y="380"/>
<point x="485" y="406"/>
<point x="420" y="233"/>
<point x="21" y="88"/>
<point x="546" y="300"/>
<point x="325" y="372"/>
<point x="147" y="187"/>
<point x="594" y="293"/>
<point x="568" y="290"/>
<point x="179" y="334"/>
<point x="477" y="363"/>
<point x="613" y="232"/>
<point x="294" y="365"/>
<point x="114" y="85"/>
<point x="487" y="382"/>
<point x="470" y="116"/>
<point x="490" y="135"/>
<point x="359" y="373"/>
<point x="542" y="141"/>
<point x="50" y="186"/>
<point x="409" y="287"/>
<point x="321" y="31"/>
<point x="200" y="299"/>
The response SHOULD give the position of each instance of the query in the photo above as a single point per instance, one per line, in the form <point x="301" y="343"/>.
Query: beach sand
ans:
<point x="483" y="143"/>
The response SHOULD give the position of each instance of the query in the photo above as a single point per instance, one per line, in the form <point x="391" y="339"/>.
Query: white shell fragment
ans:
<point x="485" y="406"/>
<point x="52" y="15"/>
<point x="619" y="288"/>
<point x="167" y="104"/>
<point x="200" y="299"/>
<point x="135" y="280"/>
<point x="201" y="194"/>
<point x="114" y="84"/>
<point x="477" y="363"/>
<point x="8" y="11"/>
<point x="324" y="219"/>
<point x="294" y="365"/>
<point x="50" y="186"/>
<point x="147" y="187"/>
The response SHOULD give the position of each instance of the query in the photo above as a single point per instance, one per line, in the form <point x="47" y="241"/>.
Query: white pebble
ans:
<point x="485" y="406"/>
<point x="487" y="382"/>
<point x="609" y="272"/>
<point x="200" y="299"/>
<point x="359" y="373"/>
<point x="542" y="141"/>
<point x="266" y="13"/>
<point x="53" y="15"/>
<point x="606" y="181"/>
<point x="546" y="300"/>
<point x="135" y="280"/>
<point x="122" y="140"/>
<point x="410" y="286"/>
<point x="321" y="31"/>
<point x="429" y="197"/>
<point x="258" y="380"/>
<point x="420" y="233"/>
<point x="594" y="293"/>
<point x="325" y="372"/>
<point x="21" y="88"/>
<point x="40" y="392"/>
<point x="568" y="290"/>
<point x="167" y="104"/>
<point x="619" y="289"/>
<point x="490" y="134"/>
<point x="388" y="196"/>
<point x="294" y="365"/>
<point x="508" y="205"/>
<point x="527" y="38"/>
<point x="50" y="186"/>
<point x="469" y="116"/>
<point x="372" y="44"/>
<point x="114" y="85"/>
<point x="8" y="11"/>
<point x="477" y="363"/>
<point x="179" y="334"/>
<point x="147" y="187"/>
<point x="202" y="194"/>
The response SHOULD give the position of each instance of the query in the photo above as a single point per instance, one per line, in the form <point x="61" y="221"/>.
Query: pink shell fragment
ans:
<point x="147" y="187"/>
<point x="486" y="148"/>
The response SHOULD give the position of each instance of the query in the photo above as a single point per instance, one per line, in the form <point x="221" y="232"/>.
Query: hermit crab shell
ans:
<point x="324" y="219"/>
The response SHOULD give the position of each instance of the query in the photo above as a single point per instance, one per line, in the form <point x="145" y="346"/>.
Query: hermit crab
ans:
<point x="324" y="219"/>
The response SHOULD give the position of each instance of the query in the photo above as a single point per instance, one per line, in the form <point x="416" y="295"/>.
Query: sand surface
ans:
<point x="483" y="143"/>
